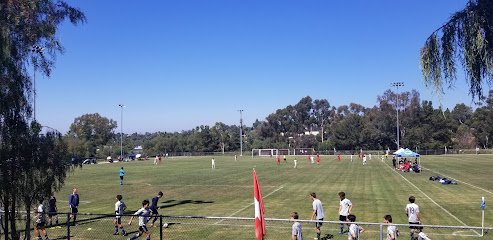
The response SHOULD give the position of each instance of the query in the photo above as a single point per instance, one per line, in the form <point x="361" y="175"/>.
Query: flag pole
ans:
<point x="482" y="224"/>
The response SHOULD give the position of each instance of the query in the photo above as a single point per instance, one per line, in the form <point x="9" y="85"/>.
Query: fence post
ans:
<point x="161" y="227"/>
<point x="68" y="226"/>
<point x="381" y="232"/>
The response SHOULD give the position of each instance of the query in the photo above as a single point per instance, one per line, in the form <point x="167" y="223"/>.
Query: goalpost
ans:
<point x="269" y="152"/>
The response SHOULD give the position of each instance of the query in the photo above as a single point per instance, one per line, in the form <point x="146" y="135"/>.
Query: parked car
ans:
<point x="91" y="160"/>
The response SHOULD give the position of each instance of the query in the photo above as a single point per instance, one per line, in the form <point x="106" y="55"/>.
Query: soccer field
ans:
<point x="192" y="188"/>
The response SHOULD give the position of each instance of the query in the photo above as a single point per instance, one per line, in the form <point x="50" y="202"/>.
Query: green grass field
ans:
<point x="192" y="188"/>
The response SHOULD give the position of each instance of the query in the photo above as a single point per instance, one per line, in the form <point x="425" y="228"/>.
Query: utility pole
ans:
<point x="397" y="84"/>
<point x="241" y="133"/>
<point x="40" y="51"/>
<point x="121" y="131"/>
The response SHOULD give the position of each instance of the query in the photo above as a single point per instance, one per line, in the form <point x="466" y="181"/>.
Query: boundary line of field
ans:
<point x="460" y="181"/>
<point x="433" y="201"/>
<point x="249" y="205"/>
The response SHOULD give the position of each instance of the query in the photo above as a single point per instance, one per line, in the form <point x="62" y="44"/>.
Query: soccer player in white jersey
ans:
<point x="412" y="212"/>
<point x="119" y="208"/>
<point x="392" y="231"/>
<point x="295" y="163"/>
<point x="40" y="220"/>
<point x="213" y="163"/>
<point x="422" y="235"/>
<point x="318" y="212"/>
<point x="345" y="207"/>
<point x="296" y="228"/>
<point x="354" y="229"/>
<point x="143" y="214"/>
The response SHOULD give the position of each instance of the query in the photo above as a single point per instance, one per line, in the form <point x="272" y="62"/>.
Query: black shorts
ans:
<point x="319" y="224"/>
<point x="118" y="220"/>
<point x="40" y="225"/>
<point x="74" y="210"/>
<point x="342" y="218"/>
<point x="154" y="211"/>
<point x="121" y="177"/>
<point x="416" y="223"/>
<point x="143" y="229"/>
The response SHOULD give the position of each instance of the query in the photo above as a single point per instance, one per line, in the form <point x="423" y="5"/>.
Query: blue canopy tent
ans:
<point x="409" y="153"/>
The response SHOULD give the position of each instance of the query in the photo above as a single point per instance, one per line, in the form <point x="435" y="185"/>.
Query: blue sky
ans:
<point x="182" y="63"/>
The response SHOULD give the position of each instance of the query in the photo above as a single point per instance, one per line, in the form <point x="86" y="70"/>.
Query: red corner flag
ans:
<point x="259" y="209"/>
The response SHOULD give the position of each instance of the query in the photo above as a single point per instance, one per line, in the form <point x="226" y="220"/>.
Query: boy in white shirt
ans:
<point x="412" y="212"/>
<point x="119" y="208"/>
<point x="296" y="228"/>
<point x="318" y="212"/>
<point x="345" y="207"/>
<point x="392" y="231"/>
<point x="354" y="229"/>
<point x="40" y="221"/>
<point x="143" y="214"/>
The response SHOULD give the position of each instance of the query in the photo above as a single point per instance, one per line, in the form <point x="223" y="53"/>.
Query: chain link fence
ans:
<point x="101" y="226"/>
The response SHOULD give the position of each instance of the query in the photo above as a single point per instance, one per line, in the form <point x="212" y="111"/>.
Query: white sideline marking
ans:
<point x="433" y="201"/>
<point x="460" y="181"/>
<point x="249" y="205"/>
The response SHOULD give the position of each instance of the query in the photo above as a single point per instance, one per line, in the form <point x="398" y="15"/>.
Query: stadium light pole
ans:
<point x="241" y="132"/>
<point x="40" y="50"/>
<point x="397" y="84"/>
<point x="121" y="131"/>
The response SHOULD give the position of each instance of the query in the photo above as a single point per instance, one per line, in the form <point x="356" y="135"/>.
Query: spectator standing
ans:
<point x="74" y="205"/>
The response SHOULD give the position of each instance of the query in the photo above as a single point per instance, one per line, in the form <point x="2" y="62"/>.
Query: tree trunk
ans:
<point x="6" y="209"/>
<point x="27" y="235"/>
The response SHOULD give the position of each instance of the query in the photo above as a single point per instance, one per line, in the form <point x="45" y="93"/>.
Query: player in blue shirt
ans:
<point x="154" y="207"/>
<point x="121" y="176"/>
<point x="74" y="205"/>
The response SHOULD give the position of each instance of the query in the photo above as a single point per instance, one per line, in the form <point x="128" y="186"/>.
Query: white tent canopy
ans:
<point x="399" y="151"/>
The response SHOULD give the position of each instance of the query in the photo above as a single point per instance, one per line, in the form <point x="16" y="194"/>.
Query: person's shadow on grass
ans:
<point x="182" y="202"/>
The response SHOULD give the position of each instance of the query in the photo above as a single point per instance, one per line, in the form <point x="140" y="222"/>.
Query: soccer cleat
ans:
<point x="125" y="234"/>
<point x="341" y="232"/>
<point x="116" y="233"/>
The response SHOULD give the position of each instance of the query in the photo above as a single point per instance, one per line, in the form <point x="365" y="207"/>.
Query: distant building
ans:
<point x="314" y="133"/>
<point x="138" y="150"/>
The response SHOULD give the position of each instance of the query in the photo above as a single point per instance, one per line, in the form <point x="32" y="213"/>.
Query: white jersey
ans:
<point x="41" y="211"/>
<point x="296" y="231"/>
<point x="345" y="204"/>
<point x="295" y="163"/>
<point x="423" y="236"/>
<point x="392" y="230"/>
<point x="213" y="163"/>
<point x="354" y="229"/>
<point x="317" y="205"/>
<point x="143" y="214"/>
<point x="119" y="208"/>
<point x="369" y="155"/>
<point x="412" y="210"/>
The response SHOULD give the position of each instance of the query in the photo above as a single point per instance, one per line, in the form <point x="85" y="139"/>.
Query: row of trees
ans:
<point x="347" y="127"/>
<point x="32" y="165"/>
